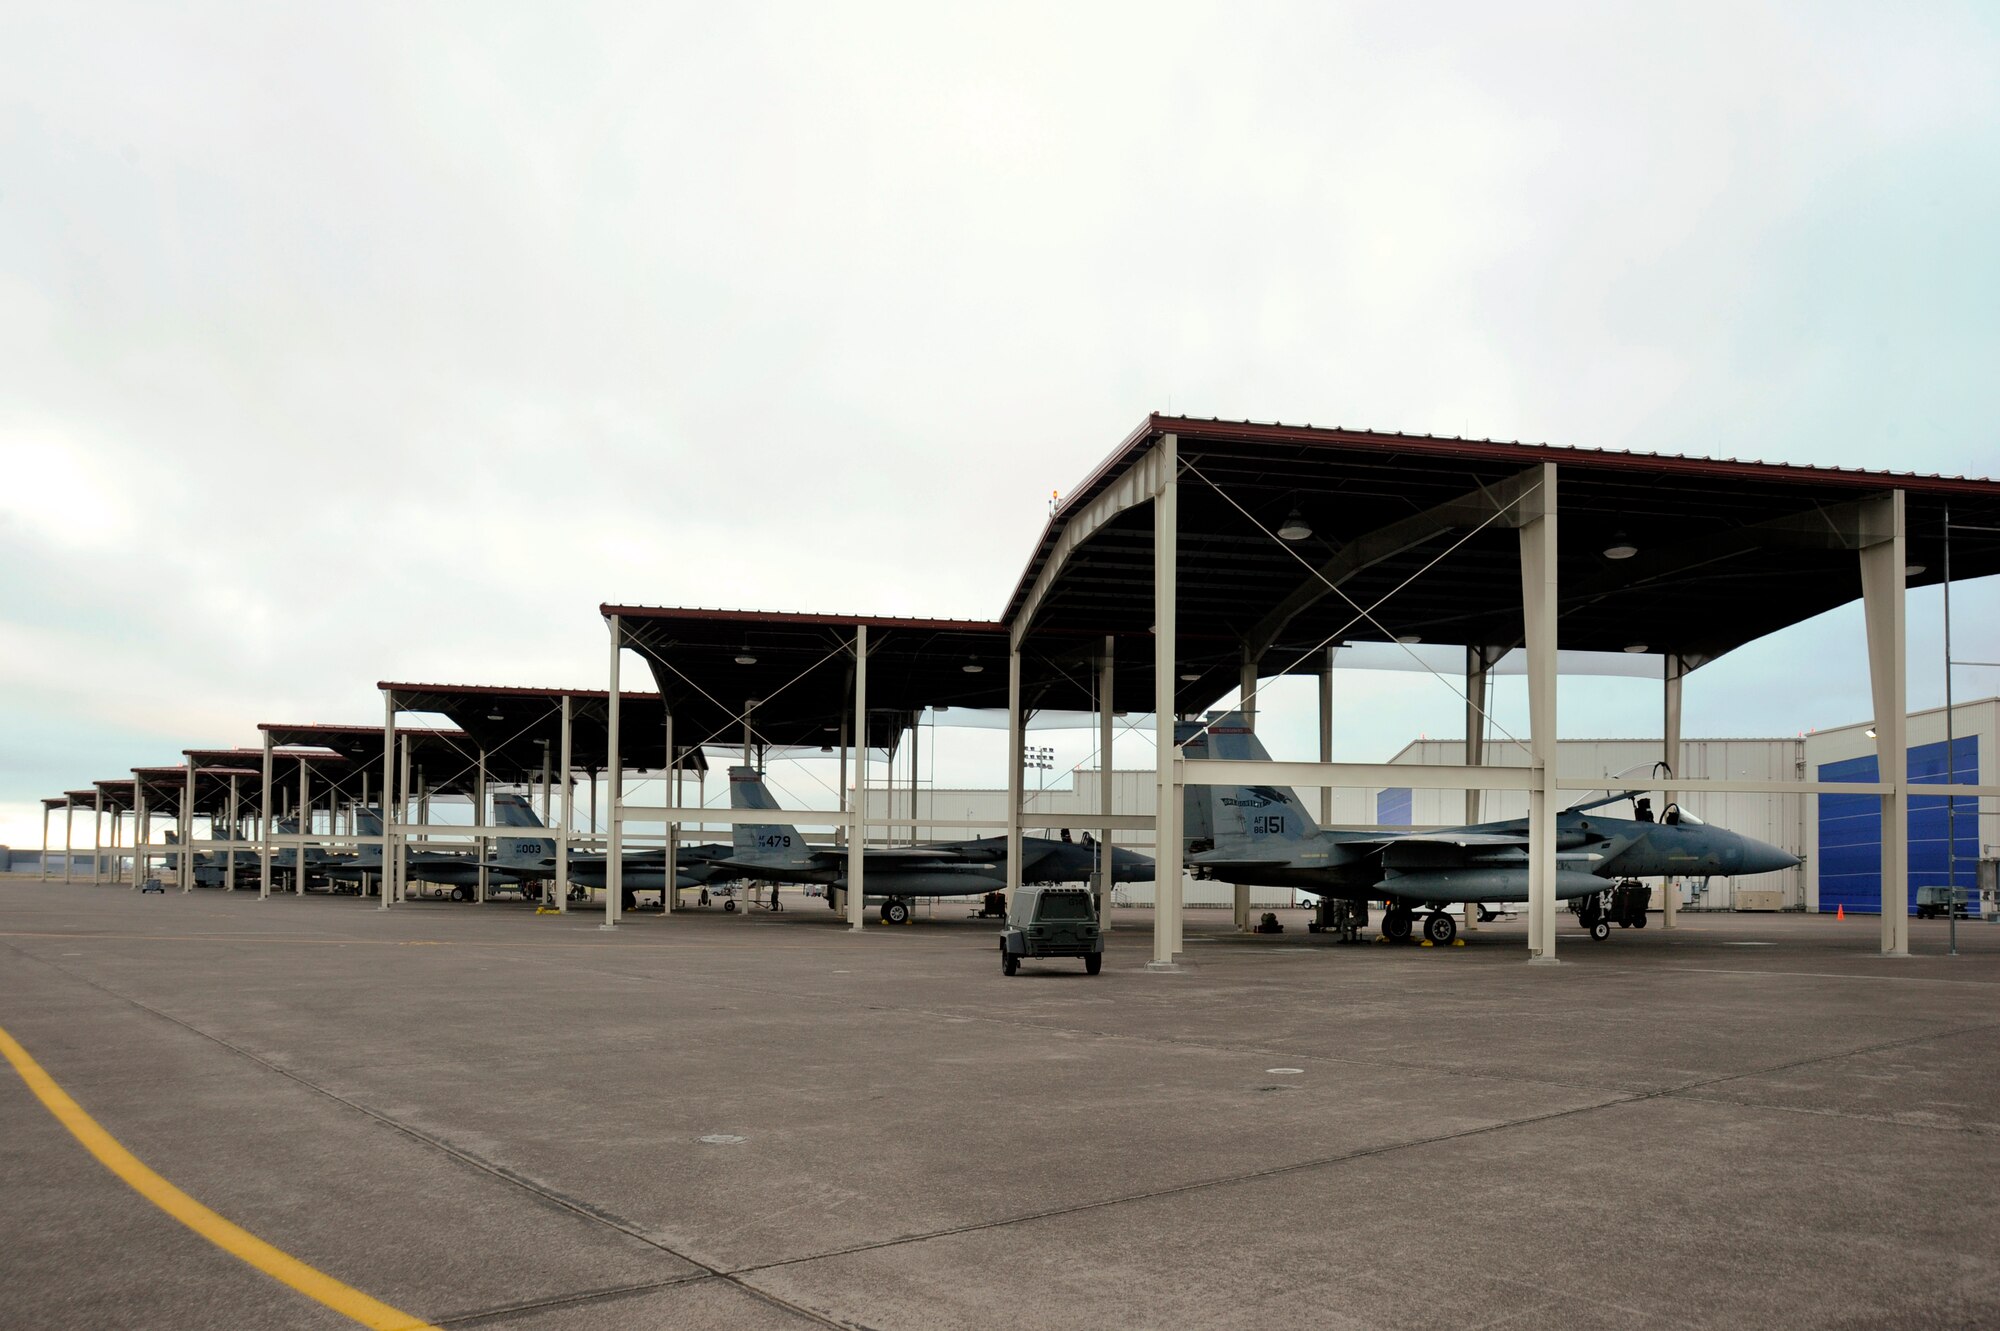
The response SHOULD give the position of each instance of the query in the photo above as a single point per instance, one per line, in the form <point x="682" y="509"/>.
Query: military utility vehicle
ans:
<point x="1052" y="921"/>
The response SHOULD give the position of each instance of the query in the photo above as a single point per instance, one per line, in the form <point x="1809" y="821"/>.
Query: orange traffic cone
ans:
<point x="1840" y="912"/>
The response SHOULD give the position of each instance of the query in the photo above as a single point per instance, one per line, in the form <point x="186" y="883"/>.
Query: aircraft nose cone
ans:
<point x="1759" y="857"/>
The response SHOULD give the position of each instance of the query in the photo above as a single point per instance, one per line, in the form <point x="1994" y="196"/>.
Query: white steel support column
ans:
<point x="1326" y="731"/>
<point x="1539" y="605"/>
<point x="1670" y="745"/>
<point x="1167" y="803"/>
<point x="614" y="762"/>
<point x="479" y="819"/>
<point x="186" y="822"/>
<point x="1016" y="775"/>
<point x="389" y="810"/>
<point x="264" y="828"/>
<point x="568" y="808"/>
<point x="305" y="828"/>
<point x="97" y="841"/>
<point x="840" y="836"/>
<point x="1479" y="662"/>
<point x="673" y="785"/>
<point x="141" y="827"/>
<point x="857" y="814"/>
<point x="45" y="843"/>
<point x="229" y="855"/>
<point x="1246" y="692"/>
<point x="1107" y="687"/>
<point x="1882" y="579"/>
<point x="405" y="811"/>
<point x="548" y="795"/>
<point x="69" y="835"/>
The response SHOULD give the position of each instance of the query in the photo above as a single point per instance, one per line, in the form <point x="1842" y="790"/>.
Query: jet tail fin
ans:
<point x="368" y="820"/>
<point x="1237" y="817"/>
<point x="764" y="841"/>
<point x="511" y="809"/>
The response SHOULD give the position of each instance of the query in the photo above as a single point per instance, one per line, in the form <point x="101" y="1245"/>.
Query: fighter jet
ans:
<point x="517" y="859"/>
<point x="642" y="870"/>
<point x="1263" y="835"/>
<point x="777" y="853"/>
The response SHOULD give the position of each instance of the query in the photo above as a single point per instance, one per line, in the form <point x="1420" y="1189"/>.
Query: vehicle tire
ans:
<point x="1440" y="928"/>
<point x="1093" y="963"/>
<point x="1396" y="926"/>
<point x="729" y="905"/>
<point x="896" y="910"/>
<point x="1600" y="931"/>
<point x="458" y="894"/>
<point x="1009" y="963"/>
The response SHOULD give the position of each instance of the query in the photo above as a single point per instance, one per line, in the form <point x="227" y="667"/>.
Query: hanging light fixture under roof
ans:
<point x="495" y="716"/>
<point x="1409" y="639"/>
<point x="744" y="657"/>
<point x="1194" y="675"/>
<point x="973" y="668"/>
<point x="1912" y="570"/>
<point x="1637" y="649"/>
<point x="1621" y="547"/>
<point x="1296" y="528"/>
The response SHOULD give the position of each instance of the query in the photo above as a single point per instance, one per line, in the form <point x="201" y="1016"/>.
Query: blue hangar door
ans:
<point x="1850" y="829"/>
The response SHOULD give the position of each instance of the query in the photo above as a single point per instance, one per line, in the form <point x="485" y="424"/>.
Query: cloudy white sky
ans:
<point x="348" y="342"/>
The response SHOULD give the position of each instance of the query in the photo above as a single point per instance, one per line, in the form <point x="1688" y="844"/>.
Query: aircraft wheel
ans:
<point x="1009" y="963"/>
<point x="729" y="905"/>
<point x="1600" y="931"/>
<point x="1093" y="963"/>
<point x="1440" y="928"/>
<point x="1639" y="923"/>
<point x="896" y="910"/>
<point x="1396" y="926"/>
<point x="458" y="894"/>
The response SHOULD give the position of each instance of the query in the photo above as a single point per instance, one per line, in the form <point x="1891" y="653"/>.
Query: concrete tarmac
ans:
<point x="488" y="1118"/>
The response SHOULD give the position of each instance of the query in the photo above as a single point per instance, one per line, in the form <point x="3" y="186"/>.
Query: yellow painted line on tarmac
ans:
<point x="231" y="1238"/>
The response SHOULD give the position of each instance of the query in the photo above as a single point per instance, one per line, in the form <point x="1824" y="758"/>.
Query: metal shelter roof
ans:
<point x="447" y="758"/>
<point x="1727" y="551"/>
<point x="513" y="725"/>
<point x="799" y="668"/>
<point x="118" y="794"/>
<point x="165" y="787"/>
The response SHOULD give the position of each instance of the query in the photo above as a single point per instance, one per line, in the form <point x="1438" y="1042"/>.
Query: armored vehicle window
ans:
<point x="1064" y="906"/>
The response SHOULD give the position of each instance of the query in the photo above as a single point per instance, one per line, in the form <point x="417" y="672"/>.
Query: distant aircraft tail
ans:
<point x="1237" y="817"/>
<point x="777" y="842"/>
<point x="368" y="820"/>
<point x="514" y="810"/>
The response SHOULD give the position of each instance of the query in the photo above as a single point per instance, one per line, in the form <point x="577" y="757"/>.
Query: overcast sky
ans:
<point x="351" y="342"/>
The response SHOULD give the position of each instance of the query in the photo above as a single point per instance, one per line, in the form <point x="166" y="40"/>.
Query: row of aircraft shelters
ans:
<point x="1198" y="561"/>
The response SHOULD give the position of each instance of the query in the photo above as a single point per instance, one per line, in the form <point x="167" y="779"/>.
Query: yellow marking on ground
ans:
<point x="231" y="1238"/>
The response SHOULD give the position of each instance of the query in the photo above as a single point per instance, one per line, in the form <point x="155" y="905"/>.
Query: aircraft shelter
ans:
<point x="1200" y="558"/>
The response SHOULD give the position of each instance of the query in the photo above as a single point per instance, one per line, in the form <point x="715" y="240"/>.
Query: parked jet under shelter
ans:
<point x="1263" y="835"/>
<point x="897" y="874"/>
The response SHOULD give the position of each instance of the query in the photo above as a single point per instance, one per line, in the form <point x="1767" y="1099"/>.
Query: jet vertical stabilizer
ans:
<point x="1235" y="818"/>
<point x="513" y="810"/>
<point x="776" y="843"/>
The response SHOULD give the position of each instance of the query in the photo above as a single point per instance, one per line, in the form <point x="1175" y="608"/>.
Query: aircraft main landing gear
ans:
<point x="1440" y="928"/>
<point x="895" y="911"/>
<point x="1397" y="923"/>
